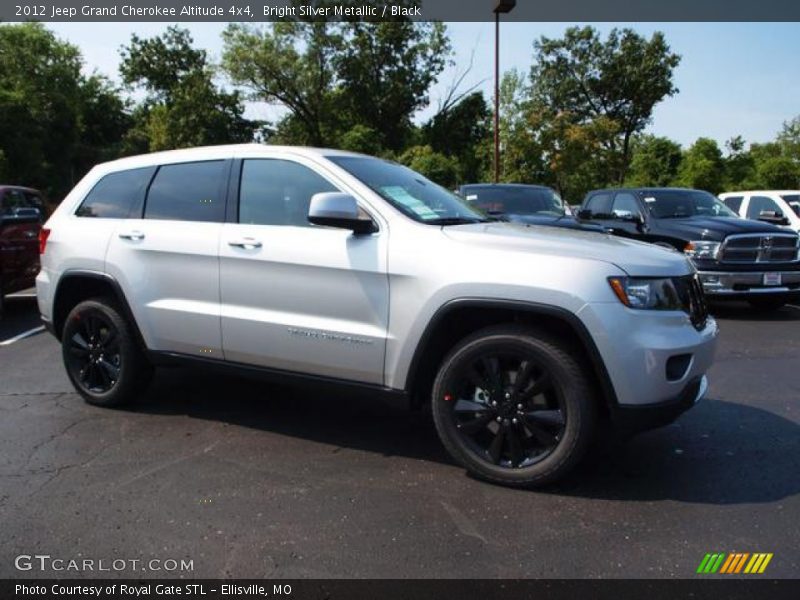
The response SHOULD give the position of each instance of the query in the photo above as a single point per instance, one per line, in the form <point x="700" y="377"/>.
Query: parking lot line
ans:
<point x="22" y="335"/>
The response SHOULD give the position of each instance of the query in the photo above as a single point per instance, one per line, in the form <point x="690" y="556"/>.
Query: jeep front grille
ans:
<point x="693" y="299"/>
<point x="760" y="248"/>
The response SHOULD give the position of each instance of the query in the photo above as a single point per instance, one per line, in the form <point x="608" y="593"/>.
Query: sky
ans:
<point x="734" y="78"/>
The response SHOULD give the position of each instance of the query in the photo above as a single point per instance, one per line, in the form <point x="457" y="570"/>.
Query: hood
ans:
<point x="566" y="221"/>
<point x="635" y="258"/>
<point x="713" y="228"/>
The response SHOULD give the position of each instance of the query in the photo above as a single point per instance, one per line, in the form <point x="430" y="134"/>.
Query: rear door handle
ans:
<point x="134" y="236"/>
<point x="247" y="243"/>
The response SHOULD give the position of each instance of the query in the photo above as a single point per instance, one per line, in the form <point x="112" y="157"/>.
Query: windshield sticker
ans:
<point x="401" y="196"/>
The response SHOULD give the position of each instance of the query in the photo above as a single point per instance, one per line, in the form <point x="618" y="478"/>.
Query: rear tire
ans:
<point x="514" y="406"/>
<point x="102" y="355"/>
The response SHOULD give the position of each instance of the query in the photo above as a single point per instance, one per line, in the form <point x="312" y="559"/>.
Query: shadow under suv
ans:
<point x="318" y="265"/>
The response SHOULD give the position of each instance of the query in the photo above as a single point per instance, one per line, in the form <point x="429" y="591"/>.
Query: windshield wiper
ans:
<point x="455" y="221"/>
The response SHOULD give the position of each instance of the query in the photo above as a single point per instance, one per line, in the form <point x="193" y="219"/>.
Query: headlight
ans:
<point x="653" y="294"/>
<point x="702" y="250"/>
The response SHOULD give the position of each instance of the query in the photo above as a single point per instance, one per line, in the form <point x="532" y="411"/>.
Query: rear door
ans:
<point x="297" y="296"/>
<point x="165" y="258"/>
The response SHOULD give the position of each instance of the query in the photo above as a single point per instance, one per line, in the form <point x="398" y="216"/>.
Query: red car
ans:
<point x="21" y="215"/>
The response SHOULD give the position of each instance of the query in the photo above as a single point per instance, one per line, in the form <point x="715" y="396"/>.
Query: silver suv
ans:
<point x="332" y="266"/>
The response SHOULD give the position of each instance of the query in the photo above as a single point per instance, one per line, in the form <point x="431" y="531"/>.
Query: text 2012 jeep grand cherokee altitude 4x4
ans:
<point x="340" y="267"/>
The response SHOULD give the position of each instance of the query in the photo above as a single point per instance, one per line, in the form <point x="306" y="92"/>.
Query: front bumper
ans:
<point x="653" y="358"/>
<point x="633" y="419"/>
<point x="744" y="284"/>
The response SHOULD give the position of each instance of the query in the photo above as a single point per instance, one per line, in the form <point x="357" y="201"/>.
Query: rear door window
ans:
<point x="625" y="204"/>
<point x="599" y="205"/>
<point x="116" y="194"/>
<point x="734" y="203"/>
<point x="188" y="192"/>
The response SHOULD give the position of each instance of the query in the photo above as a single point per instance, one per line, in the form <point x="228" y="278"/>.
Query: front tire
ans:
<point x="101" y="354"/>
<point x="514" y="406"/>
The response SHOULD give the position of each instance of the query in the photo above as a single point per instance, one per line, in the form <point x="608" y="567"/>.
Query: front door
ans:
<point x="296" y="296"/>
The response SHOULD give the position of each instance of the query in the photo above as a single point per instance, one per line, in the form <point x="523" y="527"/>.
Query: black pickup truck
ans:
<point x="736" y="258"/>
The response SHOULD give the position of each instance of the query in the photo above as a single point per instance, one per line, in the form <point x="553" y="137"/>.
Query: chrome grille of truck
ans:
<point x="760" y="248"/>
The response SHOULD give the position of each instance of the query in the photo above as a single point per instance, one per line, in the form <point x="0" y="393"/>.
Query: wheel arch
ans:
<point x="75" y="286"/>
<point x="460" y="317"/>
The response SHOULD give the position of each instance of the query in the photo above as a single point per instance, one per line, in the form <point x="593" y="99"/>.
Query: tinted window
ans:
<point x="409" y="192"/>
<point x="12" y="201"/>
<point x="278" y="192"/>
<point x="599" y="204"/>
<point x="516" y="200"/>
<point x="681" y="204"/>
<point x="734" y="203"/>
<point x="115" y="194"/>
<point x="625" y="203"/>
<point x="759" y="204"/>
<point x="793" y="200"/>
<point x="187" y="192"/>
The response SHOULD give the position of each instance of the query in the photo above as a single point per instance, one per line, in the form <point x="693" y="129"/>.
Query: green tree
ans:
<point x="183" y="106"/>
<point x="385" y="69"/>
<point x="334" y="76"/>
<point x="655" y="161"/>
<point x="460" y="131"/>
<point x="289" y="63"/>
<point x="581" y="78"/>
<point x="702" y="167"/>
<point x="55" y="123"/>
<point x="433" y="165"/>
<point x="739" y="164"/>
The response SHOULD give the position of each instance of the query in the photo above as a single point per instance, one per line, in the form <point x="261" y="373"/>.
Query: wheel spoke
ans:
<point x="496" y="448"/>
<point x="79" y="341"/>
<point x="476" y="379"/>
<point x="515" y="447"/>
<point x="522" y="377"/>
<point x="108" y="341"/>
<point x="490" y="368"/>
<point x="539" y="386"/>
<point x="475" y="425"/>
<point x="539" y="432"/>
<point x="111" y="370"/>
<point x="469" y="406"/>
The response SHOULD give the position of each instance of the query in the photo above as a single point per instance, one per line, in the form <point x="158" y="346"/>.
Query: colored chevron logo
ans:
<point x="734" y="563"/>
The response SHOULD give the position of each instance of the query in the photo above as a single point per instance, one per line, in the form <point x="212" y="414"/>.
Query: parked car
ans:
<point x="736" y="258"/>
<point x="339" y="268"/>
<point x="777" y="207"/>
<point x="523" y="203"/>
<point x="20" y="222"/>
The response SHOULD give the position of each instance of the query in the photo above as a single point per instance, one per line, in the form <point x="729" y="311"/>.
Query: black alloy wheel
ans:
<point x="102" y="355"/>
<point x="514" y="405"/>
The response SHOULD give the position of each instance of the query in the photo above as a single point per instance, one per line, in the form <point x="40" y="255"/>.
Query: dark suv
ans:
<point x="736" y="258"/>
<point x="21" y="212"/>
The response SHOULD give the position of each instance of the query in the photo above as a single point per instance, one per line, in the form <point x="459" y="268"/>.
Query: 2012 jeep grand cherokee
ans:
<point x="333" y="266"/>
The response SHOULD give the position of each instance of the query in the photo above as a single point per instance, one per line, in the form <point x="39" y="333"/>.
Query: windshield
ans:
<point x="793" y="200"/>
<point x="677" y="204"/>
<point x="516" y="200"/>
<point x="409" y="192"/>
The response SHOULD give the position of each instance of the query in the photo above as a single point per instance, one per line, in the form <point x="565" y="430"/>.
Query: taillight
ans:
<point x="44" y="233"/>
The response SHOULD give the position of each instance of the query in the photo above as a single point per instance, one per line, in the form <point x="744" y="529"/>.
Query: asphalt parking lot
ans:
<point x="250" y="480"/>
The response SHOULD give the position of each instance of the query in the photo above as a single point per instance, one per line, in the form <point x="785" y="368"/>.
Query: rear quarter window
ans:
<point x="599" y="204"/>
<point x="115" y="195"/>
<point x="187" y="192"/>
<point x="734" y="203"/>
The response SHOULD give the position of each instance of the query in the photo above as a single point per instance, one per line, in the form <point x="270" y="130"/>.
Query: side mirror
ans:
<point x="773" y="216"/>
<point x="335" y="209"/>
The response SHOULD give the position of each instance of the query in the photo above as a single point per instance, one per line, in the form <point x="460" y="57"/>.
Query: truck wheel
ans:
<point x="101" y="354"/>
<point x="514" y="406"/>
<point x="767" y="304"/>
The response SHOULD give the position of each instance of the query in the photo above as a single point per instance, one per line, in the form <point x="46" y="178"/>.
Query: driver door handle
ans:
<point x="134" y="236"/>
<point x="247" y="243"/>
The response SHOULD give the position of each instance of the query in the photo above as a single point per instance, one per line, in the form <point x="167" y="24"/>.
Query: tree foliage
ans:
<point x="183" y="106"/>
